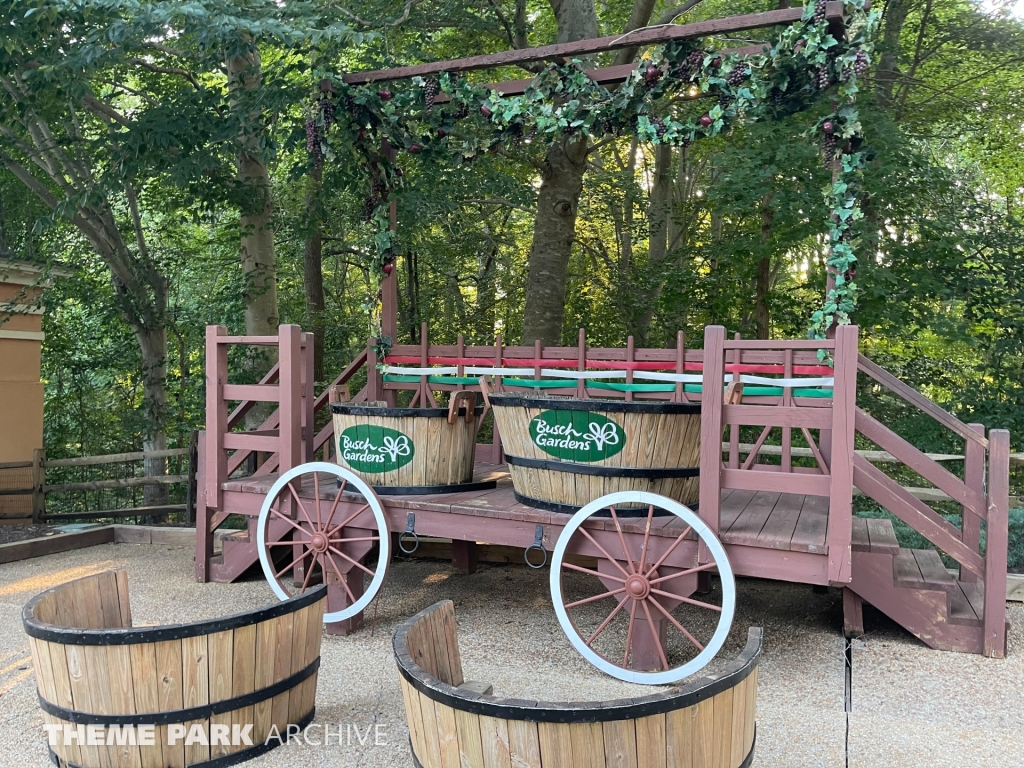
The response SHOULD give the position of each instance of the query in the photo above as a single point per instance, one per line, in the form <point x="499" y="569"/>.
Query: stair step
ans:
<point x="921" y="569"/>
<point x="967" y="604"/>
<point x="874" y="535"/>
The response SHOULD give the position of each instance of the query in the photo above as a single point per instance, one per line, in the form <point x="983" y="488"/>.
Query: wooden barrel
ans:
<point x="563" y="453"/>
<point x="706" y="722"/>
<point x="210" y="693"/>
<point x="409" y="450"/>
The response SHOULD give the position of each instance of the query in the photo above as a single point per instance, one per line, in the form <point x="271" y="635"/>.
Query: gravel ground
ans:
<point x="510" y="638"/>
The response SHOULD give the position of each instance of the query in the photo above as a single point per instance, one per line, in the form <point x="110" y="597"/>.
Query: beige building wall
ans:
<point x="21" y="391"/>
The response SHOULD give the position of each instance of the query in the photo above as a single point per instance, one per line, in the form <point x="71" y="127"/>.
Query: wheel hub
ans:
<point x="638" y="587"/>
<point x="318" y="542"/>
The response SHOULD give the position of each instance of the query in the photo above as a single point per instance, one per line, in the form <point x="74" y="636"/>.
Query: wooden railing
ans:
<point x="983" y="495"/>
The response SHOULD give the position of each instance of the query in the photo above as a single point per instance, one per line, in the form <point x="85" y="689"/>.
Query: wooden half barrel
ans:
<point x="409" y="450"/>
<point x="212" y="693"/>
<point x="705" y="722"/>
<point x="563" y="453"/>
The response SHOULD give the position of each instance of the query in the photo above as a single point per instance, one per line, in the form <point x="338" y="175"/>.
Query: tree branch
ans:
<point x="409" y="5"/>
<point x="167" y="71"/>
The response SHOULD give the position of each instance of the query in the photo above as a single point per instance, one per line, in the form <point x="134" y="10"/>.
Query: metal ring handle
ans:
<point x="538" y="543"/>
<point x="410" y="530"/>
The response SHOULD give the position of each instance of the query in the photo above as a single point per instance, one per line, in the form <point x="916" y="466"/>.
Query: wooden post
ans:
<point x="994" y="644"/>
<point x="464" y="555"/>
<point x="844" y="408"/>
<point x="289" y="449"/>
<point x="308" y="398"/>
<point x="38" y="481"/>
<point x="374" y="380"/>
<point x="204" y="536"/>
<point x="581" y="384"/>
<point x="629" y="368"/>
<point x="681" y="368"/>
<point x="216" y="468"/>
<point x="712" y="393"/>
<point x="974" y="478"/>
<point x="787" y="402"/>
<point x="497" y="453"/>
<point x="190" y="489"/>
<point x="734" y="430"/>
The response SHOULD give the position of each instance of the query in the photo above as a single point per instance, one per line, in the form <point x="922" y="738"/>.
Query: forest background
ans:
<point x="157" y="150"/>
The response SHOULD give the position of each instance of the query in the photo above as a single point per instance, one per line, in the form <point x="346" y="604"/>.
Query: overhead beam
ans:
<point x="640" y="37"/>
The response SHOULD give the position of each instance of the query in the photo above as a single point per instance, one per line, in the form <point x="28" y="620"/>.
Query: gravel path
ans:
<point x="509" y="637"/>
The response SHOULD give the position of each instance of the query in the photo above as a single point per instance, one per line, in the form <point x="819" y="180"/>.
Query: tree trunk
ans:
<point x="762" y="317"/>
<point x="557" y="202"/>
<point x="153" y="345"/>
<point x="659" y="216"/>
<point x="313" y="276"/>
<point x="259" y="264"/>
<point x="888" y="71"/>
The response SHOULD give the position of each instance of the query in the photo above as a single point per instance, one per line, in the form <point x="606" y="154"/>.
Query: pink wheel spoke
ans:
<point x="287" y="543"/>
<point x="629" y="635"/>
<point x="622" y="540"/>
<point x="599" y="575"/>
<point x="290" y="522"/>
<point x="301" y="505"/>
<point x="309" y="572"/>
<point x="334" y="506"/>
<point x="687" y="572"/>
<point x="304" y="553"/>
<point x="357" y="538"/>
<point x="348" y="520"/>
<point x="604" y="551"/>
<point x="354" y="562"/>
<point x="341" y="578"/>
<point x="687" y="600"/>
<point x="316" y="496"/>
<point x="605" y="623"/>
<point x="677" y="625"/>
<point x="647" y="538"/>
<point x="654" y="634"/>
<point x="595" y="597"/>
<point x="669" y="551"/>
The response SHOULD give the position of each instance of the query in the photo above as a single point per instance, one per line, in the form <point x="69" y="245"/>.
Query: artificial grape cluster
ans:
<point x="369" y="206"/>
<point x="824" y="76"/>
<point x="430" y="90"/>
<point x="819" y="11"/>
<point x="327" y="110"/>
<point x="828" y="149"/>
<point x="860" y="64"/>
<point x="690" y="66"/>
<point x="659" y="126"/>
<point x="461" y="112"/>
<point x="738" y="75"/>
<point x="313" y="143"/>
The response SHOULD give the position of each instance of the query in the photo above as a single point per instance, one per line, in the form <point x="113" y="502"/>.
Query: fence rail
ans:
<point x="39" y="489"/>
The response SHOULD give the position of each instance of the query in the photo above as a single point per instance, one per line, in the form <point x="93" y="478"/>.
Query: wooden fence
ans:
<point x="61" y="490"/>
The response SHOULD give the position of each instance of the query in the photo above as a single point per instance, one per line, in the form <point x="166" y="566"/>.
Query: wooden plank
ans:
<point x="620" y="744"/>
<point x="776" y="482"/>
<point x="170" y="695"/>
<point x="259" y="393"/>
<point x="242" y="441"/>
<point x="883" y="536"/>
<point x="994" y="644"/>
<point x="778" y="529"/>
<point x="266" y="652"/>
<point x="243" y="674"/>
<point x="51" y="545"/>
<point x="860" y="541"/>
<point x="587" y="740"/>
<point x="747" y="528"/>
<point x="122" y="699"/>
<point x="765" y="415"/>
<point x="195" y="678"/>
<point x="680" y="739"/>
<point x="641" y="37"/>
<point x="282" y="668"/>
<point x="447" y="735"/>
<point x="709" y="507"/>
<point x="722" y="728"/>
<point x="221" y="665"/>
<point x="110" y="458"/>
<point x="495" y="742"/>
<point x="471" y="751"/>
<point x="906" y="571"/>
<point x="127" y="482"/>
<point x="555" y="744"/>
<point x="147" y="696"/>
<point x="651" y="742"/>
<point x="703" y="732"/>
<point x="933" y="571"/>
<point x="431" y="756"/>
<point x="811" y="528"/>
<point x="524" y="744"/>
<point x="737" y="749"/>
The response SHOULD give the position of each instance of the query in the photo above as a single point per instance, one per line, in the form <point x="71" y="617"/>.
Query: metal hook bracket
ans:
<point x="538" y="543"/>
<point x="410" y="530"/>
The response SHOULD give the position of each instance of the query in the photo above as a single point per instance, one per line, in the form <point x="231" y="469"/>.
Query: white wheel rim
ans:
<point x="704" y="534"/>
<point x="375" y="507"/>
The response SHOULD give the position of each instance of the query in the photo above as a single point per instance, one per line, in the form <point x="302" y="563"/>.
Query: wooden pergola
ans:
<point x="562" y="52"/>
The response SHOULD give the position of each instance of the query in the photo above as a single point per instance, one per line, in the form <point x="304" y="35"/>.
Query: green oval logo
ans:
<point x="370" y="448"/>
<point x="577" y="435"/>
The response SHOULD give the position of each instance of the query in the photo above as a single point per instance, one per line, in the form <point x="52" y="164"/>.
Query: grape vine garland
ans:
<point x="448" y="119"/>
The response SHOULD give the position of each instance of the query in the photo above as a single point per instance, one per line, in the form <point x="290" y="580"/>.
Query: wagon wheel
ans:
<point x="318" y="539"/>
<point x="635" y="593"/>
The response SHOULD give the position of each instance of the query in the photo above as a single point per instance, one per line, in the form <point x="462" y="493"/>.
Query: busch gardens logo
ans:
<point x="369" y="448"/>
<point x="577" y="435"/>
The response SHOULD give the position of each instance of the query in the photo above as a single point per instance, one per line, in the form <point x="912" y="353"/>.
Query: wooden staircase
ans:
<point x="239" y="552"/>
<point x="914" y="589"/>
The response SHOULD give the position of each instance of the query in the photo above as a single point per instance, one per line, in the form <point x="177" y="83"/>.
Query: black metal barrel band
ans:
<point x="638" y="473"/>
<point x="200" y="712"/>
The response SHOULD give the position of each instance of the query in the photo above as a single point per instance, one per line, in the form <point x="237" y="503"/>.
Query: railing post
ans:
<point x="711" y="430"/>
<point x="204" y="536"/>
<point x="216" y="460"/>
<point x="844" y="408"/>
<point x="994" y="644"/>
<point x="290" y="383"/>
<point x="974" y="478"/>
<point x="374" y="381"/>
<point x="308" y="398"/>
<point x="38" y="482"/>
